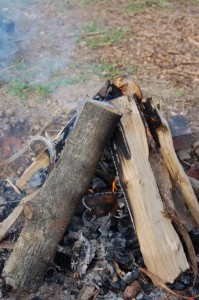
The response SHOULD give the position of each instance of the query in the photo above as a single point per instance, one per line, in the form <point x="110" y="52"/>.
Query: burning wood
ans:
<point x="141" y="150"/>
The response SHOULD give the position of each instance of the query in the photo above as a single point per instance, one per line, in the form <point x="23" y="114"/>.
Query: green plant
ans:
<point x="180" y="93"/>
<point x="130" y="70"/>
<point x="141" y="5"/>
<point x="90" y="27"/>
<point x="23" y="89"/>
<point x="109" y="70"/>
<point x="105" y="38"/>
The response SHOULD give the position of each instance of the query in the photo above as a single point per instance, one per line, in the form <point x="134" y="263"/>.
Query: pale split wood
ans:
<point x="159" y="243"/>
<point x="179" y="179"/>
<point x="42" y="161"/>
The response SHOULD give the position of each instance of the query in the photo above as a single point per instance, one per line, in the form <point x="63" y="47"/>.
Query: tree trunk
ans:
<point x="47" y="216"/>
<point x="159" y="243"/>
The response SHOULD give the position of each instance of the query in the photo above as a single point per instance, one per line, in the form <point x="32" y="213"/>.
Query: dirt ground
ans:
<point x="65" y="50"/>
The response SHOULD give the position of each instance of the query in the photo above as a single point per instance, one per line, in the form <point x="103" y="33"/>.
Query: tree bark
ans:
<point x="47" y="216"/>
<point x="159" y="243"/>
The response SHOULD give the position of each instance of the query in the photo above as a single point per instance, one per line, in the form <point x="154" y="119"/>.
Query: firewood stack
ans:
<point x="159" y="196"/>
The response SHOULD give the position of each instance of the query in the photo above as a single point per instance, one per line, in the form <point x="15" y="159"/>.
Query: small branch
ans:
<point x="158" y="282"/>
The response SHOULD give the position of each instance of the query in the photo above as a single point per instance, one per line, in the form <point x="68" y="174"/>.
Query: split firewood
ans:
<point x="48" y="215"/>
<point x="143" y="197"/>
<point x="180" y="181"/>
<point x="128" y="87"/>
<point x="165" y="187"/>
<point x="123" y="85"/>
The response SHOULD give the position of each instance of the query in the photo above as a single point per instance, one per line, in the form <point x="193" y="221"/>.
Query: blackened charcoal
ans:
<point x="59" y="144"/>
<point x="197" y="282"/>
<point x="62" y="261"/>
<point x="186" y="279"/>
<point x="9" y="199"/>
<point x="109" y="296"/>
<point x="59" y="279"/>
<point x="194" y="235"/>
<point x="37" y="298"/>
<point x="131" y="276"/>
<point x="194" y="291"/>
<point x="74" y="293"/>
<point x="139" y="259"/>
<point x="178" y="286"/>
<point x="50" y="273"/>
<point x="116" y="286"/>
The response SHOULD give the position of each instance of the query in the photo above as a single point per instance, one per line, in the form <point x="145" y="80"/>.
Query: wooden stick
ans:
<point x="159" y="243"/>
<point x="47" y="217"/>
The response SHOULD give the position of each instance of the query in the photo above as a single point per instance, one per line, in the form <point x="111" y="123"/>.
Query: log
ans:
<point x="160" y="245"/>
<point x="179" y="179"/>
<point x="49" y="213"/>
<point x="176" y="215"/>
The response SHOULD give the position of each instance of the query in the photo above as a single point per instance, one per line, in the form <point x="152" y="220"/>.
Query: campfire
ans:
<point x="111" y="199"/>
